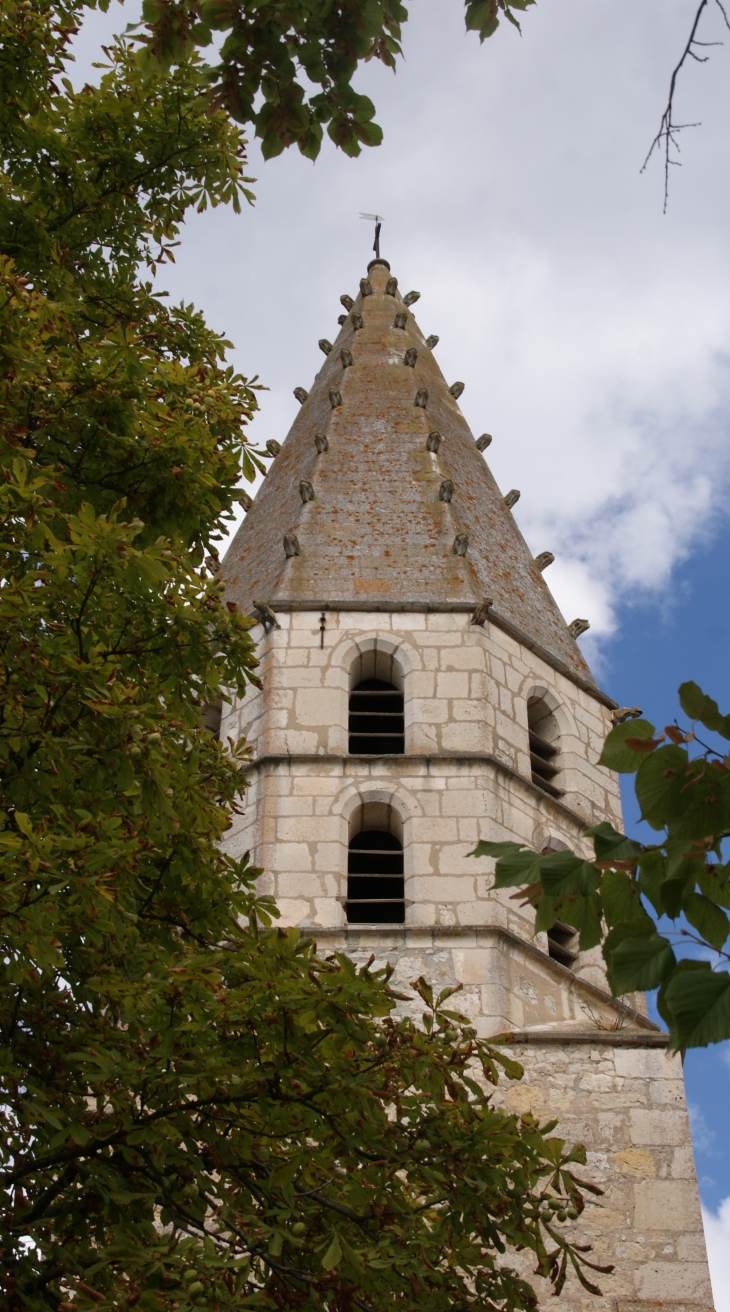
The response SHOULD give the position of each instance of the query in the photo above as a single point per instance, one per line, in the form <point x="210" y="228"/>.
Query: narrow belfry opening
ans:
<point x="563" y="944"/>
<point x="376" y="719"/>
<point x="375" y="890"/>
<point x="544" y="745"/>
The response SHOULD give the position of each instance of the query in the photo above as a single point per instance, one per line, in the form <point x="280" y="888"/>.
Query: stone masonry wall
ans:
<point x="597" y="1067"/>
<point x="627" y="1105"/>
<point x="465" y="774"/>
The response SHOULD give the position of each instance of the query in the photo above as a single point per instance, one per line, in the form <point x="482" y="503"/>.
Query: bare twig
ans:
<point x="669" y="130"/>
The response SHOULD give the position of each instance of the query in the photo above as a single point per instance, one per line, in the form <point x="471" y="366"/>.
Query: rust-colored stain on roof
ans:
<point x="376" y="528"/>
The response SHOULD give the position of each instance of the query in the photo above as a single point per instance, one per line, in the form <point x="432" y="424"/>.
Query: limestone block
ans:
<point x="422" y="858"/>
<point x="638" y="1163"/>
<point x="453" y="859"/>
<point x="429" y="711"/>
<point x="309" y="785"/>
<point x="674" y="1281"/>
<point x="461" y="737"/>
<point x="506" y="704"/>
<point x="445" y="622"/>
<point x="328" y="912"/>
<point x="666" y="1205"/>
<point x="331" y="857"/>
<point x="296" y="805"/>
<point x="475" y="913"/>
<point x="293" y="741"/>
<point x="436" y="888"/>
<point x="462" y="658"/>
<point x="667" y="1093"/>
<point x="298" y="677"/>
<point x="293" y="911"/>
<point x="434" y="830"/>
<point x="497" y="668"/>
<point x="647" y="1064"/>
<point x="320" y="707"/>
<point x="454" y="683"/>
<point x="469" y="710"/>
<point x="462" y="800"/>
<point x="683" y="1163"/>
<point x="691" y="1248"/>
<point x="409" y="622"/>
<point x="289" y="856"/>
<point x="421" y="685"/>
<point x="292" y="884"/>
<point x="514" y="679"/>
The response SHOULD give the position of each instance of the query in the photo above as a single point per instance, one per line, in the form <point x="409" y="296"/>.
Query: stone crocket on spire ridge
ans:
<point x="376" y="529"/>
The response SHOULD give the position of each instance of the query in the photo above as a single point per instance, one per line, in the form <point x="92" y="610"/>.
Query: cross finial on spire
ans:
<point x="377" y="219"/>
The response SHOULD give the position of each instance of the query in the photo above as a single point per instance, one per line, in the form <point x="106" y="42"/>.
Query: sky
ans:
<point x="591" y="329"/>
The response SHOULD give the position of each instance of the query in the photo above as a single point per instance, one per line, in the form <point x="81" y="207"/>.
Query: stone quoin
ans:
<point x="391" y="733"/>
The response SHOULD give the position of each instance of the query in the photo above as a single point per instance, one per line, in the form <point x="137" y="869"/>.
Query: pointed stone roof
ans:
<point x="380" y="529"/>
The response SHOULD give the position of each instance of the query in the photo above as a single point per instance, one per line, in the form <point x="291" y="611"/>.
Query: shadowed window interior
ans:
<point x="544" y="745"/>
<point x="563" y="944"/>
<point x="376" y="723"/>
<point x="375" y="892"/>
<point x="376" y="719"/>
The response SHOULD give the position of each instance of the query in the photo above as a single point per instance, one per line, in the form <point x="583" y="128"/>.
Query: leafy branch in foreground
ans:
<point x="619" y="896"/>
<point x="274" y="54"/>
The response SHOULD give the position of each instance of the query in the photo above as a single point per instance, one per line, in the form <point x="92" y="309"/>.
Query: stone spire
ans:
<point x="382" y="516"/>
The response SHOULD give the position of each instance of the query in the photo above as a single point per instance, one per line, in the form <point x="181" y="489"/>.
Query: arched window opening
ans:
<point x="563" y="944"/>
<point x="375" y="891"/>
<point x="544" y="745"/>
<point x="376" y="723"/>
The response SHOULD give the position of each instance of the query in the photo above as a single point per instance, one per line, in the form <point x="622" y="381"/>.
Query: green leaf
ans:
<point x="659" y="784"/>
<point x="333" y="1256"/>
<point x="562" y="873"/>
<point x="584" y="914"/>
<point x="616" y="755"/>
<point x="637" y="963"/>
<point x="698" y="706"/>
<point x="484" y="848"/>
<point x="24" y="824"/>
<point x="698" y="1000"/>
<point x="652" y="873"/>
<point x="621" y="898"/>
<point x="516" y="865"/>
<point x="610" y="845"/>
<point x="707" y="918"/>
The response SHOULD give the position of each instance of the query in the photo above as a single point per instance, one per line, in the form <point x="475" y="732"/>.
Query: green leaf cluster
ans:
<point x="287" y="67"/>
<point x="195" y="1109"/>
<point x="619" y="897"/>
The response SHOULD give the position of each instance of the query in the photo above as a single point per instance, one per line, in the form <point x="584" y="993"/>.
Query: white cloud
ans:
<point x="717" y="1235"/>
<point x="702" y="1136"/>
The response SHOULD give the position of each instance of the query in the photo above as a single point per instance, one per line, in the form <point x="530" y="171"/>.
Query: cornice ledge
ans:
<point x="610" y="1038"/>
<point x="464" y="607"/>
<point x="481" y="932"/>
<point x="302" y="758"/>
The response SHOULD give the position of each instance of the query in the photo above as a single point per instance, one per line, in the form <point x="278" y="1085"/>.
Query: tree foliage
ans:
<point x="620" y="897"/>
<point x="287" y="67"/>
<point x="195" y="1109"/>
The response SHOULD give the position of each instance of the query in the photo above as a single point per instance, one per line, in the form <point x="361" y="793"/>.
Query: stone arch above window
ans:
<point x="376" y="725"/>
<point x="375" y="882"/>
<point x="544" y="735"/>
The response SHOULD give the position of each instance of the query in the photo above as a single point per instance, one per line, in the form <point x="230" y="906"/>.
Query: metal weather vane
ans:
<point x="377" y="219"/>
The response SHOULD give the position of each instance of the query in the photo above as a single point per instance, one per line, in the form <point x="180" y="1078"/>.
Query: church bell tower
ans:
<point x="421" y="691"/>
